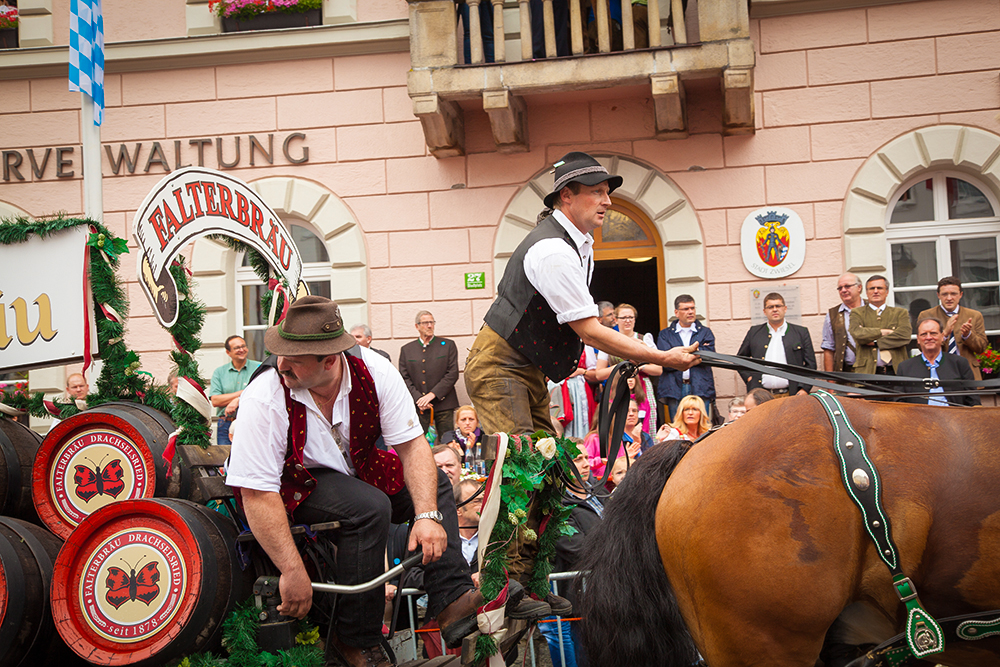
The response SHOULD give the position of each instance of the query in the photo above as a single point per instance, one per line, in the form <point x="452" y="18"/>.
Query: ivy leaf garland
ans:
<point x="239" y="637"/>
<point x="527" y="473"/>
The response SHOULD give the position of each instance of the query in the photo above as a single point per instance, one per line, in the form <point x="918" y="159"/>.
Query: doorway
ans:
<point x="629" y="265"/>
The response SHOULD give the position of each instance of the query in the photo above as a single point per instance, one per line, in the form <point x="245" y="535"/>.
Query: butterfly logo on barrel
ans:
<point x="124" y="587"/>
<point x="772" y="238"/>
<point x="93" y="482"/>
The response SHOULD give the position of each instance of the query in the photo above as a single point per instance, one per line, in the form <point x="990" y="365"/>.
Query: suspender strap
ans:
<point x="861" y="480"/>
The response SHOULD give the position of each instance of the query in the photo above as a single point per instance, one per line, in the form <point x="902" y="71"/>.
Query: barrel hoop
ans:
<point x="15" y="592"/>
<point x="13" y="472"/>
<point x="44" y="567"/>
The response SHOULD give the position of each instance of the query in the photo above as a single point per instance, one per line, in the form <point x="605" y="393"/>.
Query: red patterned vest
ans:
<point x="381" y="469"/>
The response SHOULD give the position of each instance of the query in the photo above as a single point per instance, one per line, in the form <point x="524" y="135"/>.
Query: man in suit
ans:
<point x="935" y="362"/>
<point x="880" y="331"/>
<point x="429" y="366"/>
<point x="675" y="384"/>
<point x="762" y="342"/>
<point x="964" y="330"/>
<point x="838" y="345"/>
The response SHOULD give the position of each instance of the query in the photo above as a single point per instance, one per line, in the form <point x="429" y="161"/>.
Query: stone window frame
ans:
<point x="656" y="195"/>
<point x="215" y="266"/>
<point x="970" y="151"/>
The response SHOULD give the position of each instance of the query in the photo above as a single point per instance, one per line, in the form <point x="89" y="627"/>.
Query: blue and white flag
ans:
<point x="86" y="52"/>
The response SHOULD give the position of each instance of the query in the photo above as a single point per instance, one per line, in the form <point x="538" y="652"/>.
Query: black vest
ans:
<point x="524" y="319"/>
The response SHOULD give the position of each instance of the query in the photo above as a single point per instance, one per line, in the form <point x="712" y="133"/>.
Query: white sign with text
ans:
<point x="45" y="303"/>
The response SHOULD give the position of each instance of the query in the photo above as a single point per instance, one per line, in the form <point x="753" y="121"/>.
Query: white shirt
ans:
<point x="560" y="275"/>
<point x="685" y="333"/>
<point x="470" y="545"/>
<point x="646" y="338"/>
<point x="775" y="352"/>
<point x="261" y="440"/>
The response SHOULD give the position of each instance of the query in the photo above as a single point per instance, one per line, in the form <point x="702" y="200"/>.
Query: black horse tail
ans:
<point x="630" y="614"/>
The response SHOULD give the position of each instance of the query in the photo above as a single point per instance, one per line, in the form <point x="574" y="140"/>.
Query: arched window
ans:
<point x="315" y="273"/>
<point x="945" y="224"/>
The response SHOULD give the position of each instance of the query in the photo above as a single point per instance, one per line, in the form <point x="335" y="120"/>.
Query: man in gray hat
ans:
<point x="544" y="308"/>
<point x="305" y="448"/>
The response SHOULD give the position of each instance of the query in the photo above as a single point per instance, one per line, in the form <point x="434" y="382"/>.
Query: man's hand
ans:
<point x="424" y="401"/>
<point x="966" y="328"/>
<point x="886" y="332"/>
<point x="681" y="358"/>
<point x="949" y="326"/>
<point x="429" y="535"/>
<point x="232" y="406"/>
<point x="296" y="594"/>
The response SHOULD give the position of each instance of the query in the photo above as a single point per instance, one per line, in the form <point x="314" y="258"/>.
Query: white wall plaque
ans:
<point x="773" y="242"/>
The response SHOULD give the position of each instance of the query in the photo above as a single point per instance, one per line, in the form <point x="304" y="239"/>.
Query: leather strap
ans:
<point x="864" y="487"/>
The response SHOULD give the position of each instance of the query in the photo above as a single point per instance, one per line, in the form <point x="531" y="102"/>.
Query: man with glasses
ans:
<point x="881" y="332"/>
<point x="838" y="346"/>
<point x="228" y="382"/>
<point x="779" y="341"/>
<point x="429" y="366"/>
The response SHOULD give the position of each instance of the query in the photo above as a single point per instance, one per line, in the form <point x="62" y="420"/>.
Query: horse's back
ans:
<point x="755" y="522"/>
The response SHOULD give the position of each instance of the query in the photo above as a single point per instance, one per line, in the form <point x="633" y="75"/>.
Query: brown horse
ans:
<point x="763" y="549"/>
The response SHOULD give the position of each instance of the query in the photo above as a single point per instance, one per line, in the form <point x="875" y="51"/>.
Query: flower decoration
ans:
<point x="989" y="362"/>
<point x="547" y="447"/>
<point x="8" y="17"/>
<point x="243" y="10"/>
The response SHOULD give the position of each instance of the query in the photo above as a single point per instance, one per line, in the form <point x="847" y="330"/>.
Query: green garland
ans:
<point x="239" y="637"/>
<point x="531" y="484"/>
<point x="120" y="378"/>
<point x="261" y="269"/>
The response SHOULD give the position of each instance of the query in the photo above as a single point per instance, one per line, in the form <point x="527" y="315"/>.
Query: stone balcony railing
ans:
<point x="712" y="41"/>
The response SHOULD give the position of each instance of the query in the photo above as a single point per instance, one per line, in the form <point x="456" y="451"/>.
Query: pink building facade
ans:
<point x="878" y="124"/>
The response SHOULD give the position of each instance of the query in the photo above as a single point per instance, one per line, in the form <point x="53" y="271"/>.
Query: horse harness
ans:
<point x="923" y="636"/>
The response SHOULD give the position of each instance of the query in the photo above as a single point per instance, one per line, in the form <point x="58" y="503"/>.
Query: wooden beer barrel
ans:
<point x="18" y="445"/>
<point x="27" y="553"/>
<point x="103" y="455"/>
<point x="140" y="582"/>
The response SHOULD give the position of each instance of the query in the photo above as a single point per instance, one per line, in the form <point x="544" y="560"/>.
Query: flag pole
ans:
<point x="90" y="135"/>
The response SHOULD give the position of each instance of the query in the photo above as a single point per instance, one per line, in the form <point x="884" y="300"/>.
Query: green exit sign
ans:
<point x="475" y="280"/>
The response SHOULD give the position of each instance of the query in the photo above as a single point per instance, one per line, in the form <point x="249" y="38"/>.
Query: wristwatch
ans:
<point x="434" y="516"/>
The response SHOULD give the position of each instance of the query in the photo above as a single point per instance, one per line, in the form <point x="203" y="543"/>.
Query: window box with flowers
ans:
<point x="242" y="15"/>
<point x="8" y="27"/>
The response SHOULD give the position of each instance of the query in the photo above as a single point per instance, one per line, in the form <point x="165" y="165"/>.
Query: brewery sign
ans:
<point x="46" y="311"/>
<point x="192" y="203"/>
<point x="773" y="242"/>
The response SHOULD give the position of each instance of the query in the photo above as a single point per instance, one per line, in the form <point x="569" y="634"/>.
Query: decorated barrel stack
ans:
<point x="18" y="446"/>
<point x="141" y="582"/>
<point x="27" y="636"/>
<point x="109" y="453"/>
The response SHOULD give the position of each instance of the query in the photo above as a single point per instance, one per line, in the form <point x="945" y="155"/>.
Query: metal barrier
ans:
<point x="409" y="647"/>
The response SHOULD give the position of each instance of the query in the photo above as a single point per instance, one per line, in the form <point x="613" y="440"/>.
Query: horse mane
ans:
<point x="630" y="614"/>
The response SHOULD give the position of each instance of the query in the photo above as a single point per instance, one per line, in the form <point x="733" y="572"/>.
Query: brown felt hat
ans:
<point x="312" y="325"/>
<point x="577" y="167"/>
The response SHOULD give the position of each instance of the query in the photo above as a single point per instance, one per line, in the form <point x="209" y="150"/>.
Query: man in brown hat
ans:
<point x="544" y="308"/>
<point x="306" y="449"/>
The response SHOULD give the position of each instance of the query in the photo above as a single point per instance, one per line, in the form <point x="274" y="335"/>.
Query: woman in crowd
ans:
<point x="573" y="402"/>
<point x="690" y="421"/>
<point x="625" y="314"/>
<point x="634" y="440"/>
<point x="646" y="414"/>
<point x="466" y="437"/>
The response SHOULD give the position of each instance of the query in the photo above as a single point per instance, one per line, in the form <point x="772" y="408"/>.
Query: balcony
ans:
<point x="706" y="47"/>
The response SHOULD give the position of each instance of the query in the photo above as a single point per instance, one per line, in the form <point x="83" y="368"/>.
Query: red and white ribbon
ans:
<point x="8" y="410"/>
<point x="193" y="394"/>
<point x="491" y="615"/>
